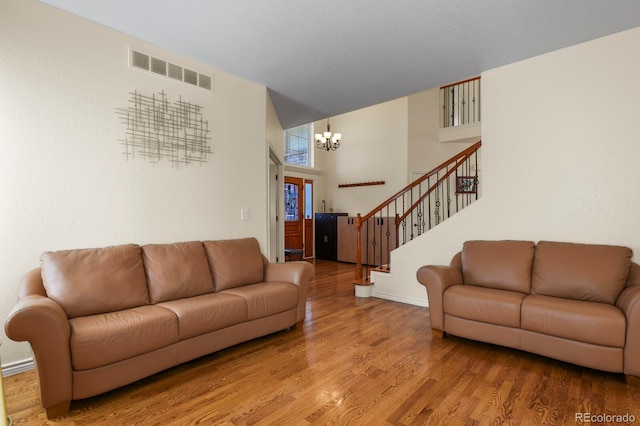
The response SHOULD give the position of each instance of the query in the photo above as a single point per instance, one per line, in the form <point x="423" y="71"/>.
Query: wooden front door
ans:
<point x="293" y="213"/>
<point x="298" y="207"/>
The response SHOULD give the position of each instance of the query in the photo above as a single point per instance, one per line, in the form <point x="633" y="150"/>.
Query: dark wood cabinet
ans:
<point x="327" y="235"/>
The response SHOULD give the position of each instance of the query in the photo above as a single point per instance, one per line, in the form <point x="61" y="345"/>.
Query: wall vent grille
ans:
<point x="142" y="61"/>
<point x="158" y="66"/>
<point x="175" y="71"/>
<point x="139" y="60"/>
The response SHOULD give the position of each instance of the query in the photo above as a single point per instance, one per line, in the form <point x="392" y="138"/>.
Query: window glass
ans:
<point x="296" y="145"/>
<point x="308" y="200"/>
<point x="291" y="201"/>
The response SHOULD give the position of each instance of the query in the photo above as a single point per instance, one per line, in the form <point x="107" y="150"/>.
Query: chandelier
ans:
<point x="326" y="141"/>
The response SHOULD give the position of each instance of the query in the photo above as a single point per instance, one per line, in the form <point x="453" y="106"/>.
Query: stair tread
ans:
<point x="382" y="268"/>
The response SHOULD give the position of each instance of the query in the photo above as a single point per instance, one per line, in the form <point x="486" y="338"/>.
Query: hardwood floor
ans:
<point x="355" y="361"/>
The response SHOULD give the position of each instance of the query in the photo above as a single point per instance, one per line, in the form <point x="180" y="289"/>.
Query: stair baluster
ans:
<point x="459" y="175"/>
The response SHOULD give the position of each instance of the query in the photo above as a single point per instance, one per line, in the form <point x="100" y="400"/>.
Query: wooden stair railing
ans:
<point x="460" y="103"/>
<point x="422" y="204"/>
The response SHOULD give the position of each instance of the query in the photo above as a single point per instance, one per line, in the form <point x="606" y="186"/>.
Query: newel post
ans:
<point x="359" y="274"/>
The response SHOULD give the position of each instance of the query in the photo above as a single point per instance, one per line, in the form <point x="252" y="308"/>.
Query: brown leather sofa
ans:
<point x="578" y="303"/>
<point x="98" y="319"/>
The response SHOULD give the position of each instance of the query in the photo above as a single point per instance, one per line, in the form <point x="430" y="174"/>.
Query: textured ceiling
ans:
<point x="325" y="57"/>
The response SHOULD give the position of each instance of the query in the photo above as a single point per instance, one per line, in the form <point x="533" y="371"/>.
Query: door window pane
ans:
<point x="308" y="200"/>
<point x="291" y="201"/>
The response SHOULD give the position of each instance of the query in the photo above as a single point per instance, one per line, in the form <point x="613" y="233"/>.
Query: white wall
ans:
<point x="373" y="148"/>
<point x="275" y="135"/>
<point x="64" y="182"/>
<point x="560" y="156"/>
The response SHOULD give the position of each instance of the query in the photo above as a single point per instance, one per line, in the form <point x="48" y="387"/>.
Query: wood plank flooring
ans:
<point x="357" y="362"/>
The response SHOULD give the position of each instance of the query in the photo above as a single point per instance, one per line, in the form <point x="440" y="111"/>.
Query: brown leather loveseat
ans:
<point x="98" y="319"/>
<point x="578" y="303"/>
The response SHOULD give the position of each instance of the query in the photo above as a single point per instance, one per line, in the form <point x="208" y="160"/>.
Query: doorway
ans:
<point x="298" y="225"/>
<point x="276" y="209"/>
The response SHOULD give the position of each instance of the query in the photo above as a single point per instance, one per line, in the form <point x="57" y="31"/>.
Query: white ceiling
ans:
<point x="325" y="57"/>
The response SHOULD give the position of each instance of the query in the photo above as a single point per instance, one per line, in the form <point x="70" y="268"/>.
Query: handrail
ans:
<point x="418" y="181"/>
<point x="450" y="166"/>
<point x="459" y="82"/>
<point x="435" y="185"/>
<point x="425" y="195"/>
<point x="460" y="103"/>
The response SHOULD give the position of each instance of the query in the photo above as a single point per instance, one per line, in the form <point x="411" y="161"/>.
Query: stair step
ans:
<point x="382" y="268"/>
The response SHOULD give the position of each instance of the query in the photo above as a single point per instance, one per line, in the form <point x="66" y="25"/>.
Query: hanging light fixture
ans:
<point x="327" y="141"/>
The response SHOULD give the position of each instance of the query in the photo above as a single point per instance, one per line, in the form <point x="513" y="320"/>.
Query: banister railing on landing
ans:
<point x="460" y="103"/>
<point x="419" y="206"/>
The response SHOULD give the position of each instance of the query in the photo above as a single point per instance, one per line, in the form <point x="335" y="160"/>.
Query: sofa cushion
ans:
<point x="99" y="340"/>
<point x="589" y="272"/>
<point x="589" y="322"/>
<point x="206" y="313"/>
<point x="504" y="265"/>
<point x="95" y="281"/>
<point x="176" y="271"/>
<point x="235" y="263"/>
<point x="265" y="299"/>
<point x="486" y="305"/>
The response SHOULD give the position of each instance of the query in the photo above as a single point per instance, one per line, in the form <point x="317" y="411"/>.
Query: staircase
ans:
<point x="412" y="211"/>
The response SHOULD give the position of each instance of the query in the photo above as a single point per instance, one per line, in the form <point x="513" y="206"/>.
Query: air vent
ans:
<point x="161" y="67"/>
<point x="139" y="60"/>
<point x="158" y="66"/>
<point x="204" y="81"/>
<point x="190" y="77"/>
<point x="175" y="71"/>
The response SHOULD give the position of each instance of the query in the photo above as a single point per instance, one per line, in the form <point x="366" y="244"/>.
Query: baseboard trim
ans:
<point x="394" y="298"/>
<point x="18" y="367"/>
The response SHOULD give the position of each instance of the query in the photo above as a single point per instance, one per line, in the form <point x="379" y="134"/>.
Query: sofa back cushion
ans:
<point x="589" y="272"/>
<point x="504" y="265"/>
<point x="176" y="271"/>
<point x="235" y="263"/>
<point x="95" y="281"/>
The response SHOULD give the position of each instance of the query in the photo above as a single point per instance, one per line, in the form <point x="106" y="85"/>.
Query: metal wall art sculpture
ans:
<point x="157" y="129"/>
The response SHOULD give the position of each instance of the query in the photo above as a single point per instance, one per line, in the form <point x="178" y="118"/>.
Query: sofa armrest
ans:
<point x="298" y="273"/>
<point x="629" y="303"/>
<point x="43" y="323"/>
<point x="437" y="279"/>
